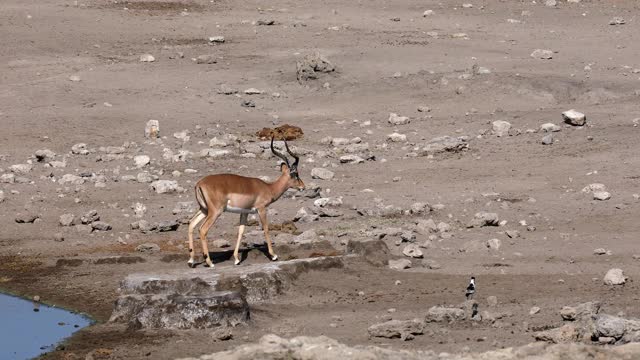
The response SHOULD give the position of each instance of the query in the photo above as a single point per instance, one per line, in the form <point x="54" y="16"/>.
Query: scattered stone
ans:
<point x="206" y="59"/>
<point x="395" y="119"/>
<point x="610" y="326"/>
<point x="26" y="218"/>
<point x="601" y="195"/>
<point x="309" y="67"/>
<point x="431" y="264"/>
<point x="574" y="118"/>
<point x="445" y="144"/>
<point x="534" y="310"/>
<point x="322" y="174"/>
<point x="564" y="334"/>
<point x="164" y="186"/>
<point x="617" y="21"/>
<point x="542" y="54"/>
<point x="7" y="178"/>
<point x="151" y="130"/>
<point x="351" y="159"/>
<point x="222" y="334"/>
<point x="444" y="314"/>
<point x="396" y="137"/>
<point x="266" y="22"/>
<point x="44" y="155"/>
<point x="550" y="127"/>
<point x="427" y="13"/>
<point x="253" y="91"/>
<point x="412" y="250"/>
<point x="147" y="58"/>
<point x="501" y="128"/>
<point x="90" y="217"/>
<point x="74" y="78"/>
<point x="141" y="160"/>
<point x="494" y="244"/>
<point x="399" y="264"/>
<point x="2" y="196"/>
<point x="67" y="219"/>
<point x="167" y="225"/>
<point x="580" y="312"/>
<point x="547" y="139"/>
<point x="148" y="247"/>
<point x="216" y="39"/>
<point x="70" y="179"/>
<point x="100" y="226"/>
<point x="397" y="329"/>
<point x="21" y="169"/>
<point x="512" y="234"/>
<point x="615" y="277"/>
<point x="58" y="237"/>
<point x="551" y="3"/>
<point x="484" y="218"/>
<point x="216" y="153"/>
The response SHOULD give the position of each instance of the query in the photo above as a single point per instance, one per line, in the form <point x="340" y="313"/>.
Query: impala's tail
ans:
<point x="200" y="199"/>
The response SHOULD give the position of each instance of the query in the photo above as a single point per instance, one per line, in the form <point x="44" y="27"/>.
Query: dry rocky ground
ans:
<point x="441" y="129"/>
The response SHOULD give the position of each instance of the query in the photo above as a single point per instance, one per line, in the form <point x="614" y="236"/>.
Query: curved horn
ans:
<point x="295" y="163"/>
<point x="278" y="154"/>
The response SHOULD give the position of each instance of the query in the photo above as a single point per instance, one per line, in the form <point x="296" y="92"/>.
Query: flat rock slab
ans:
<point x="205" y="298"/>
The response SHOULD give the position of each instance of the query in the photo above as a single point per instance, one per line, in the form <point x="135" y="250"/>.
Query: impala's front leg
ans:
<point x="192" y="224"/>
<point x="243" y="222"/>
<point x="265" y="226"/>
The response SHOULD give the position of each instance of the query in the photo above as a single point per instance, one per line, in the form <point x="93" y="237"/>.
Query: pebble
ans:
<point x="141" y="160"/>
<point x="396" y="119"/>
<point x="615" y="277"/>
<point x="601" y="195"/>
<point x="428" y="13"/>
<point x="617" y="21"/>
<point x="151" y="130"/>
<point x="322" y="174"/>
<point x="542" y="54"/>
<point x="550" y="127"/>
<point x="216" y="39"/>
<point x="74" y="78"/>
<point x="501" y="127"/>
<point x="206" y="59"/>
<point x="67" y="219"/>
<point x="547" y="139"/>
<point x="396" y="137"/>
<point x="534" y="310"/>
<point x="574" y="118"/>
<point x="147" y="58"/>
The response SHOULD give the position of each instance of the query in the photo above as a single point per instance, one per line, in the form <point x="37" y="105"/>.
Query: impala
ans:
<point x="242" y="195"/>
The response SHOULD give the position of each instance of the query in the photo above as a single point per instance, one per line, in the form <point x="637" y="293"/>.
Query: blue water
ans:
<point x="28" y="329"/>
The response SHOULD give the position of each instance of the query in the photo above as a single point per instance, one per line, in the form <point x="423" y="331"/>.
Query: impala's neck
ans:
<point x="279" y="186"/>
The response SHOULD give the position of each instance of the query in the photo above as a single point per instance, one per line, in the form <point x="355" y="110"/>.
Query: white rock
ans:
<point x="594" y="187"/>
<point x="534" y="310"/>
<point x="428" y="13"/>
<point x="339" y="141"/>
<point x="215" y="153"/>
<point x="501" y="127"/>
<point x="141" y="160"/>
<point x="139" y="209"/>
<point x="2" y="196"/>
<point x="71" y="179"/>
<point x="396" y="137"/>
<point x="79" y="149"/>
<point x="494" y="244"/>
<point x="21" y="169"/>
<point x="601" y="195"/>
<point x="252" y="91"/>
<point x="395" y="119"/>
<point x="351" y="159"/>
<point x="550" y="127"/>
<point x="164" y="186"/>
<point x="322" y="174"/>
<point x="400" y="264"/>
<point x="542" y="54"/>
<point x="412" y="250"/>
<point x="147" y="58"/>
<point x="614" y="277"/>
<point x="216" y="39"/>
<point x="74" y="78"/>
<point x="550" y="3"/>
<point x="215" y="142"/>
<point x="574" y="117"/>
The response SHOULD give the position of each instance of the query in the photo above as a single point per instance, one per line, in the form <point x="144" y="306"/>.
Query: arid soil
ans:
<point x="70" y="72"/>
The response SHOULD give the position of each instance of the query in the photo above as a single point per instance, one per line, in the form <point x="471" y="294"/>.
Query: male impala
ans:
<point x="241" y="195"/>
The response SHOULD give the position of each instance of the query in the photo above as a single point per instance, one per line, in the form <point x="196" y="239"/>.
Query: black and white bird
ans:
<point x="471" y="289"/>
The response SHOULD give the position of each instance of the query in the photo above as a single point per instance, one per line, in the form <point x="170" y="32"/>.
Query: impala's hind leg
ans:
<point x="192" y="224"/>
<point x="211" y="218"/>
<point x="243" y="222"/>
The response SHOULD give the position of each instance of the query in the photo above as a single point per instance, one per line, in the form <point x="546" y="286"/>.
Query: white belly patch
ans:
<point x="237" y="210"/>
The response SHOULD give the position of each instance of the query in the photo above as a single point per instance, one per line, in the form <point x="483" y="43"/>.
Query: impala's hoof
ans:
<point x="236" y="262"/>
<point x="274" y="258"/>
<point x="191" y="264"/>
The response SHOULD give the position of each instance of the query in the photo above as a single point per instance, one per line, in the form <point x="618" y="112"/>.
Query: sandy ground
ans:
<point x="389" y="59"/>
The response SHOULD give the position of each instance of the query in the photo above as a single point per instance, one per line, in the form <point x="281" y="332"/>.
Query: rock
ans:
<point x="148" y="247"/>
<point x="494" y="244"/>
<point x="328" y="201"/>
<point x="164" y="186"/>
<point x="512" y="234"/>
<point x="395" y="137"/>
<point x="564" y="334"/>
<point x="574" y="118"/>
<point x="373" y="251"/>
<point x="397" y="329"/>
<point x="420" y="208"/>
<point x="395" y="119"/>
<point x="601" y="251"/>
<point x="2" y="196"/>
<point x="67" y="219"/>
<point x="601" y="195"/>
<point x="141" y="160"/>
<point x="70" y="179"/>
<point x="484" y="218"/>
<point x="547" y="139"/>
<point x="445" y="144"/>
<point x="139" y="209"/>
<point x="90" y="217"/>
<point x="101" y="226"/>
<point x="222" y="334"/>
<point x="167" y="225"/>
<point x="542" y="54"/>
<point x="253" y="91"/>
<point x="144" y="177"/>
<point x="501" y="128"/>
<point x="147" y="58"/>
<point x="617" y="21"/>
<point x="351" y="159"/>
<point x="615" y="277"/>
<point x="492" y="301"/>
<point x="215" y="153"/>
<point x="550" y="127"/>
<point x="306" y="237"/>
<point x="206" y="59"/>
<point x="582" y="311"/>
<point x="74" y="78"/>
<point x="44" y="155"/>
<point x="58" y="237"/>
<point x="21" y="169"/>
<point x="610" y="326"/>
<point x="534" y="310"/>
<point x="215" y="142"/>
<point x="400" y="264"/>
<point x="79" y="149"/>
<point x="322" y="174"/>
<point x="216" y="39"/>
<point x="444" y="314"/>
<point x="594" y="188"/>
<point x="412" y="250"/>
<point x="311" y="65"/>
<point x="152" y="129"/>
<point x="551" y="3"/>
<point x="26" y="218"/>
<point x="7" y="178"/>
<point x="431" y="264"/>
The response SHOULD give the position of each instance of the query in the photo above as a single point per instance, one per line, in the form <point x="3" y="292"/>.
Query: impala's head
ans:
<point x="288" y="169"/>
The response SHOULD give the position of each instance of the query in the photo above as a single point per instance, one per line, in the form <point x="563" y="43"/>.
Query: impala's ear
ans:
<point x="284" y="168"/>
